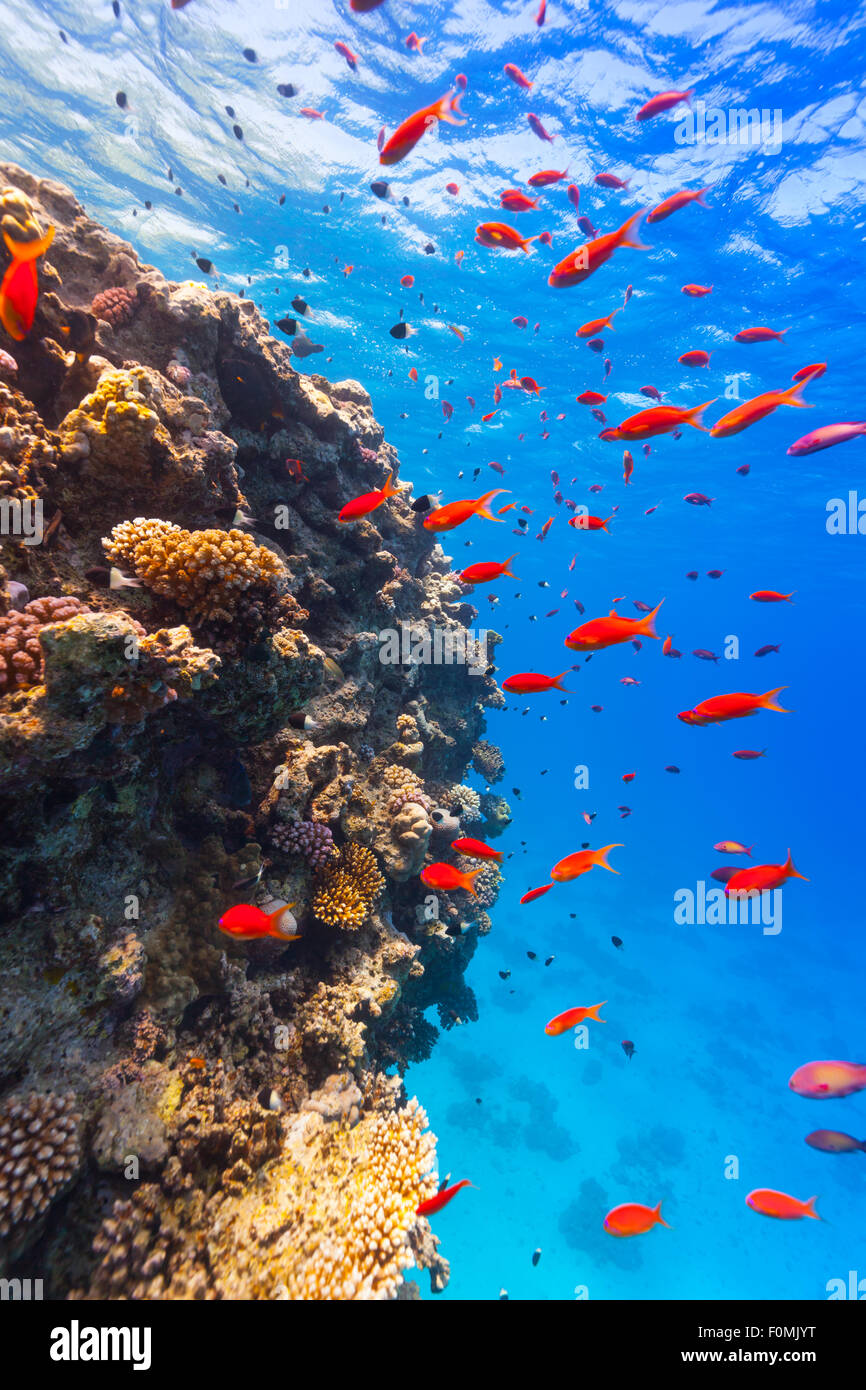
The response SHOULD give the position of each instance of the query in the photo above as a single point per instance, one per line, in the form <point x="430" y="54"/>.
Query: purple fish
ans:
<point x="698" y="499"/>
<point x="826" y="437"/>
<point x="586" y="227"/>
<point x="536" y="125"/>
<point x="765" y="651"/>
<point x="704" y="654"/>
<point x="650" y="391"/>
<point x="722" y="875"/>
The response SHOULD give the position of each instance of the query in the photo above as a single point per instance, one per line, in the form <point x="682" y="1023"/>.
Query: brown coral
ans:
<point x="39" y="1155"/>
<point x="346" y="888"/>
<point x="205" y="572"/>
<point x="117" y="305"/>
<point x="20" y="648"/>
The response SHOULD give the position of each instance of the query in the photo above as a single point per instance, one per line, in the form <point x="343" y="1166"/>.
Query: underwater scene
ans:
<point x="432" y="513"/>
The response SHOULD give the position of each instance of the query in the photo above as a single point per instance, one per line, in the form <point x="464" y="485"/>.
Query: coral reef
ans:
<point x="194" y="714"/>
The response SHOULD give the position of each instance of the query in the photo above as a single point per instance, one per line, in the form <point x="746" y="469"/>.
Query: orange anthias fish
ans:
<point x="536" y="893"/>
<point x="19" y="290"/>
<point x="828" y="1080"/>
<point x="758" y="407"/>
<point x="677" y="201"/>
<point x="345" y="51"/>
<point x="515" y="201"/>
<point x="633" y="1219"/>
<point x="532" y="682"/>
<point x="661" y="419"/>
<point x="455" y="513"/>
<point x="590" y="398"/>
<point x="441" y="1199"/>
<point x="664" y="101"/>
<point x="599" y="633"/>
<point x="368" y="502"/>
<point x="573" y="865"/>
<point x="248" y="923"/>
<point x="407" y="135"/>
<point x="500" y="237"/>
<point x="545" y="177"/>
<point x="739" y="705"/>
<point x="589" y="330"/>
<point x="476" y="849"/>
<point x="511" y="70"/>
<point x="587" y="258"/>
<point x="488" y="570"/>
<point x="591" y="523"/>
<point x="447" y="877"/>
<point x="572" y="1017"/>
<point x="771" y="596"/>
<point x="762" y="878"/>
<point x="778" y="1204"/>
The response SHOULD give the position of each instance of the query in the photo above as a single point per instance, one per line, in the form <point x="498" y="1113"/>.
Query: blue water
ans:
<point x="720" y="1015"/>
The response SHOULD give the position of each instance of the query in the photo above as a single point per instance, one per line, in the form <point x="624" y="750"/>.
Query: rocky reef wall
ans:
<point x="194" y="714"/>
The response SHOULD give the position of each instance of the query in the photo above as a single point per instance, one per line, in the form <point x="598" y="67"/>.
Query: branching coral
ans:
<point x="39" y="1155"/>
<point x="205" y="572"/>
<point x="488" y="760"/>
<point x="312" y="840"/>
<point x="346" y="888"/>
<point x="469" y="802"/>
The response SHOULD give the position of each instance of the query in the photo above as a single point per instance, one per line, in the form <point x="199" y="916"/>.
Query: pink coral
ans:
<point x="116" y="305"/>
<point x="20" y="648"/>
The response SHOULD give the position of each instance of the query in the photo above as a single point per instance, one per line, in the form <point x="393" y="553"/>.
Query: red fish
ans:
<point x="828" y="1080"/>
<point x="697" y="291"/>
<point x="515" y="201"/>
<point x="587" y="258"/>
<point x="368" y="502"/>
<point x="584" y="522"/>
<point x="520" y="321"/>
<point x="587" y="330"/>
<point x="748" y="755"/>
<point x="414" y="43"/>
<point x="762" y="878"/>
<point x="407" y="135"/>
<point x="574" y="196"/>
<point x="512" y="71"/>
<point x="564" y="1022"/>
<point x="610" y="181"/>
<point x="758" y="335"/>
<point x="455" y="513"/>
<point x="19" y="290"/>
<point x="590" y="398"/>
<point x="501" y="237"/>
<point x="696" y="358"/>
<point x="489" y="570"/>
<point x="447" y="409"/>
<point x="350" y="57"/>
<point x="407" y="281"/>
<point x="661" y="419"/>
<point x="364" y="6"/>
<point x="599" y="633"/>
<point x="536" y="125"/>
<point x="542" y="11"/>
<point x="633" y="1219"/>
<point x="627" y="466"/>
<point x="532" y="682"/>
<point x="664" y="101"/>
<point x="778" y="1204"/>
<point x="814" y="371"/>
<point x="771" y="596"/>
<point x="739" y="705"/>
<point x="311" y="113"/>
<point x="536" y="893"/>
<point x="441" y="1199"/>
<point x="826" y="437"/>
<point x="573" y="865"/>
<point x="758" y="408"/>
<point x="447" y="877"/>
<point x="651" y="391"/>
<point x="677" y="201"/>
<point x="547" y="177"/>
<point x="247" y="923"/>
<point x="453" y="189"/>
<point x="476" y="849"/>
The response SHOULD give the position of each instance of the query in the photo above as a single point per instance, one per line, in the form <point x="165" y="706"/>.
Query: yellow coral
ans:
<point x="346" y="888"/>
<point x="202" y="571"/>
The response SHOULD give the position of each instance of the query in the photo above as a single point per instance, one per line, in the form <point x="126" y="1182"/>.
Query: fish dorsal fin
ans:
<point x="613" y="613"/>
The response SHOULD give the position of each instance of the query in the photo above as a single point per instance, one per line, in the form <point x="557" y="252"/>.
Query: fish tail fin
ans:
<point x="603" y="526"/>
<point x="749" y="849"/>
<point x="809" y="1209"/>
<point x="657" y="1212"/>
<point x="482" y="506"/>
<point x="768" y="700"/>
<point x="556" y="682"/>
<point x="646" y="626"/>
<point x="789" y="596"/>
<point x="467" y="880"/>
<point x="505" y="568"/>
<point x="599" y="858"/>
<point x="687" y="97"/>
<point x="28" y="250"/>
<point x="628" y="232"/>
<point x="527" y="241"/>
<point x="794" y="394"/>
<point x="791" y="872"/>
<point x="700" y="197"/>
<point x="274" y="920"/>
<point x="448" y="108"/>
<point x="693" y="416"/>
<point x="389" y="490"/>
<point x="593" y="1012"/>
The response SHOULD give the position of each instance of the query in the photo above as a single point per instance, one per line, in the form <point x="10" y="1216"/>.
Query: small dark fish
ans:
<point x="239" y="134"/>
<point x="302" y="721"/>
<point x="423" y="504"/>
<point x="692" y="574"/>
<point x="250" y="55"/>
<point x="62" y="35"/>
<point x="765" y="651"/>
<point x="115" y="5"/>
<point x="536" y="1256"/>
<point x="429" y="249"/>
<point x="204" y="265"/>
<point x="405" y="201"/>
<point x="222" y="179"/>
<point x="243" y="885"/>
<point x="505" y="974"/>
<point x="628" y="1049"/>
<point x="237" y="784"/>
<point x="722" y="875"/>
<point x="282" y="200"/>
<point x="642" y="607"/>
<point x="381" y="188"/>
<point x="400" y="330"/>
<point x="304" y="346"/>
<point x="230" y="112"/>
<point x="550" y="960"/>
<point x="586" y="227"/>
<point x="715" y="574"/>
<point x="532" y="955"/>
<point x="300" y="305"/>
<point x="672" y="768"/>
<point x="289" y="326"/>
<point x="704" y="654"/>
<point x="121" y="99"/>
<point x="286" y="89"/>
<point x="503" y="1295"/>
<point x="617" y="941"/>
